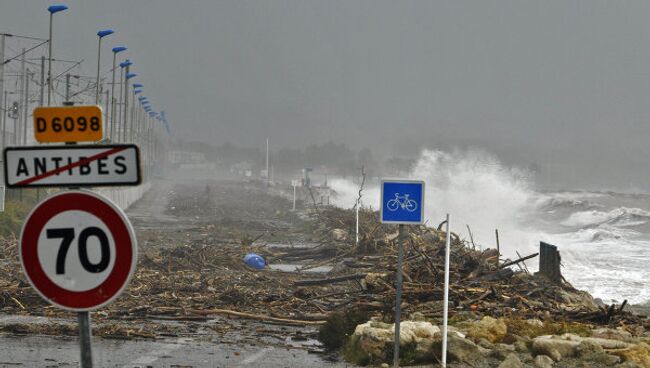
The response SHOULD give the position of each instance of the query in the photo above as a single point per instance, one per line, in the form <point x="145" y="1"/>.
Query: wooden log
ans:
<point x="519" y="260"/>
<point x="331" y="280"/>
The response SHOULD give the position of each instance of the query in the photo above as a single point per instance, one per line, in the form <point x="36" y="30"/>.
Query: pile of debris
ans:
<point x="480" y="282"/>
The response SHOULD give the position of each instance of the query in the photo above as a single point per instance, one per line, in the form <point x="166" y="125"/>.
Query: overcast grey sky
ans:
<point x="554" y="82"/>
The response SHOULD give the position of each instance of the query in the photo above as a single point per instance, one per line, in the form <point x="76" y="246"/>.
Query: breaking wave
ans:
<point x="621" y="216"/>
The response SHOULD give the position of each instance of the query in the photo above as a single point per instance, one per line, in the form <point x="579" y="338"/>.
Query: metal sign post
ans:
<point x="402" y="203"/>
<point x="294" y="184"/>
<point x="398" y="293"/>
<point x="446" y="297"/>
<point x="85" y="333"/>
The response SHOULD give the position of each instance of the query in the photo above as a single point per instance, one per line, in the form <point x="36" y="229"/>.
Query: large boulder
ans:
<point x="558" y="347"/>
<point x="377" y="338"/>
<point x="613" y="334"/>
<point x="460" y="349"/>
<point x="491" y="329"/>
<point x="590" y="351"/>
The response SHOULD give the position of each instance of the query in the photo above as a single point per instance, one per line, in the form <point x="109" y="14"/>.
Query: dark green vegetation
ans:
<point x="17" y="206"/>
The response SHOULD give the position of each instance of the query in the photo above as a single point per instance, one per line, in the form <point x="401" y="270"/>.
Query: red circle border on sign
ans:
<point x="125" y="250"/>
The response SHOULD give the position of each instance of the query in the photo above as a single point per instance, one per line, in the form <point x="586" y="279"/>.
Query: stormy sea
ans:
<point x="603" y="237"/>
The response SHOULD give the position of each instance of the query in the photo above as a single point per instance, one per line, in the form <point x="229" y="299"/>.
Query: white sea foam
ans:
<point x="621" y="216"/>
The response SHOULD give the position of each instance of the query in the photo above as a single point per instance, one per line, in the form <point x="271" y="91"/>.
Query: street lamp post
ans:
<point x="101" y="34"/>
<point x="136" y="117"/>
<point x="115" y="50"/>
<point x="126" y="98"/>
<point x="121" y="122"/>
<point x="52" y="9"/>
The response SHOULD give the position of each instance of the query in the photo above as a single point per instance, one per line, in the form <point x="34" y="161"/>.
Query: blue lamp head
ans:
<point x="152" y="114"/>
<point x="125" y="63"/>
<point x="137" y="91"/>
<point x="57" y="8"/>
<point x="131" y="75"/>
<point x="138" y="85"/>
<point x="142" y="98"/>
<point x="117" y="49"/>
<point x="105" y="32"/>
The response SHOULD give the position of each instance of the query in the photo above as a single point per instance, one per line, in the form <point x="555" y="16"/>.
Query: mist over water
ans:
<point x="604" y="238"/>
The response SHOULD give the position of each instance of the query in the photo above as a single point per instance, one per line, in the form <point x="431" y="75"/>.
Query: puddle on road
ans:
<point x="302" y="342"/>
<point x="26" y="319"/>
<point x="287" y="267"/>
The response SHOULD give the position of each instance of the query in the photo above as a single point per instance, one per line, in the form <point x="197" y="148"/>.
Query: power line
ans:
<point x="23" y="53"/>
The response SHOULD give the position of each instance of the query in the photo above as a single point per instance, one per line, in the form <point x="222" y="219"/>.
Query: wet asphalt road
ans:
<point x="41" y="352"/>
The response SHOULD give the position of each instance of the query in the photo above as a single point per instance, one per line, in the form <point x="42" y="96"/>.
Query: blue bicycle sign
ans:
<point x="402" y="201"/>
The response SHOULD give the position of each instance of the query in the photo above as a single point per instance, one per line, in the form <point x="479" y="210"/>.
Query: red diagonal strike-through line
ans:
<point x="72" y="165"/>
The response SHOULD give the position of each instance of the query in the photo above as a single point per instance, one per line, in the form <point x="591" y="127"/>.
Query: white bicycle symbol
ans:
<point x="402" y="202"/>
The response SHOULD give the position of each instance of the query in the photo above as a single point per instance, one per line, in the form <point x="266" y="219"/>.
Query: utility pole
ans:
<point x="125" y="123"/>
<point x="106" y="111"/>
<point x="3" y="104"/>
<point x="134" y="123"/>
<point x="268" y="177"/>
<point x="67" y="87"/>
<point x="119" y="125"/>
<point x="3" y="120"/>
<point x="26" y="108"/>
<point x="41" y="97"/>
<point x="23" y="80"/>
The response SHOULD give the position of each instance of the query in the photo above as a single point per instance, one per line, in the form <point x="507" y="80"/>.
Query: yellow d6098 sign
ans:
<point x="68" y="124"/>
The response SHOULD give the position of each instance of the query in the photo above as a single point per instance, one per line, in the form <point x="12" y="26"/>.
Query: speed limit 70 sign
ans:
<point x="78" y="250"/>
<point x="68" y="124"/>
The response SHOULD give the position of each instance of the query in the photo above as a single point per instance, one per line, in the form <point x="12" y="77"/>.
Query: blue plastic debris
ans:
<point x="255" y="261"/>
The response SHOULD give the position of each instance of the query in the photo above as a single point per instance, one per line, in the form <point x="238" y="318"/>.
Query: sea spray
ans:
<point x="476" y="189"/>
<point x="473" y="187"/>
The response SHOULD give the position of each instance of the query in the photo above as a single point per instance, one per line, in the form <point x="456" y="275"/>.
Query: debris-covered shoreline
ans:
<point x="192" y="273"/>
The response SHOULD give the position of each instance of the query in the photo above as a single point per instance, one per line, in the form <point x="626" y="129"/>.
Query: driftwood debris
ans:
<point x="331" y="280"/>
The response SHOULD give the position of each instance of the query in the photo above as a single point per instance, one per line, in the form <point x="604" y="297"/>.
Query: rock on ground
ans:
<point x="543" y="361"/>
<point x="374" y="336"/>
<point x="639" y="354"/>
<point x="491" y="329"/>
<point x="511" y="361"/>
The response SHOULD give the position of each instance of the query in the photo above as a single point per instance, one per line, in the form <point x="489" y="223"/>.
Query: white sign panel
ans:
<point x="89" y="165"/>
